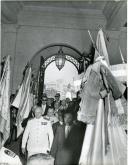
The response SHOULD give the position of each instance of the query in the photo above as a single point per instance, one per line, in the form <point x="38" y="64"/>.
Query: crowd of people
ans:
<point x="52" y="128"/>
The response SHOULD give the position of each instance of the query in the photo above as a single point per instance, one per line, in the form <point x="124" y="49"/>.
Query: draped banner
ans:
<point x="116" y="154"/>
<point x="16" y="102"/>
<point x="101" y="45"/>
<point x="105" y="143"/>
<point x="4" y="101"/>
<point x="23" y="101"/>
<point x="100" y="134"/>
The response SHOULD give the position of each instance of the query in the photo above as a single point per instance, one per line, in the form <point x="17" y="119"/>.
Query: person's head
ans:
<point x="63" y="102"/>
<point x="38" y="112"/>
<point x="57" y="97"/>
<point x="50" y="112"/>
<point x="68" y="118"/>
<point x="49" y="101"/>
<point x="74" y="100"/>
<point x="56" y="105"/>
<point x="44" y="100"/>
<point x="68" y="100"/>
<point x="44" y="95"/>
<point x="40" y="159"/>
<point x="52" y="99"/>
<point x="60" y="116"/>
<point x="71" y="104"/>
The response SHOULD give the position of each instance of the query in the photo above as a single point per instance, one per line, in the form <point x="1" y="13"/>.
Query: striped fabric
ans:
<point x="24" y="102"/>
<point x="16" y="102"/>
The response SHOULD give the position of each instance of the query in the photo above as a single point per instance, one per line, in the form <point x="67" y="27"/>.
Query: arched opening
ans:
<point x="60" y="81"/>
<point x="48" y="52"/>
<point x="46" y="57"/>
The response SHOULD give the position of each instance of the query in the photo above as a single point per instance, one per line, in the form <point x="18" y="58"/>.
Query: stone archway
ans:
<point x="45" y="56"/>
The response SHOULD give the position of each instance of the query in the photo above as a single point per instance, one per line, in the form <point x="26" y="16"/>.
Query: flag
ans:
<point x="119" y="71"/>
<point x="16" y="102"/>
<point x="100" y="136"/>
<point x="101" y="46"/>
<point x="4" y="101"/>
<point x="23" y="101"/>
<point x="120" y="104"/>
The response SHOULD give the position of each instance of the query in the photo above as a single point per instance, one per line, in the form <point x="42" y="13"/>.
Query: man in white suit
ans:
<point x="38" y="134"/>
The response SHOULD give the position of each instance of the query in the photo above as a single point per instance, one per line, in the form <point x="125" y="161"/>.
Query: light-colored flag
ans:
<point x="101" y="46"/>
<point x="24" y="102"/>
<point x="4" y="101"/>
<point x="99" y="137"/>
<point x="16" y="102"/>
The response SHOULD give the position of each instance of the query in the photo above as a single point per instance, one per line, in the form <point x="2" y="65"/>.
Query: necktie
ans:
<point x="67" y="130"/>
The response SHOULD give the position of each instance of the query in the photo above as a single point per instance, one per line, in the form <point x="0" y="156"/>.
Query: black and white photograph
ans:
<point x="63" y="82"/>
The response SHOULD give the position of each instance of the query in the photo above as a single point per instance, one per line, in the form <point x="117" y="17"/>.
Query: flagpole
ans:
<point x="91" y="37"/>
<point x="122" y="58"/>
<point x="93" y="42"/>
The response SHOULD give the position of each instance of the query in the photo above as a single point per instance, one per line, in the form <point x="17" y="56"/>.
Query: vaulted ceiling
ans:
<point x="110" y="9"/>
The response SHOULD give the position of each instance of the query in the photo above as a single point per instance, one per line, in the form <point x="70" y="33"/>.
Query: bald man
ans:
<point x="40" y="159"/>
<point x="38" y="135"/>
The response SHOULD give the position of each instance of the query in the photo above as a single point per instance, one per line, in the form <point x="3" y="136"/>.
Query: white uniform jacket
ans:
<point x="38" y="135"/>
<point x="9" y="157"/>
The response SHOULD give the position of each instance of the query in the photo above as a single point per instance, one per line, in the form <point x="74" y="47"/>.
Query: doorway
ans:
<point x="44" y="61"/>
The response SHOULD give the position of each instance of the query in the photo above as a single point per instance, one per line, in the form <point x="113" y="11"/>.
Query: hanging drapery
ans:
<point x="23" y="101"/>
<point x="41" y="79"/>
<point x="104" y="134"/>
<point x="4" y="102"/>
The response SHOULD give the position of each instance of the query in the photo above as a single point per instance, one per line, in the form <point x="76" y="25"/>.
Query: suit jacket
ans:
<point x="46" y="109"/>
<point x="64" y="150"/>
<point x="81" y="128"/>
<point x="38" y="135"/>
<point x="55" y="126"/>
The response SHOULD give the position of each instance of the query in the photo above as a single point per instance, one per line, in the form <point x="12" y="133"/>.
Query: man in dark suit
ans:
<point x="57" y="99"/>
<point x="64" y="148"/>
<point x="48" y="105"/>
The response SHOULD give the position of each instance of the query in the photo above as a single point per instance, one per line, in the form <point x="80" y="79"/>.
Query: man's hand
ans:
<point x="23" y="150"/>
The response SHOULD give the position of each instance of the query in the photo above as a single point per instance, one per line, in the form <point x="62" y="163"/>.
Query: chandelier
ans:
<point x="60" y="59"/>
